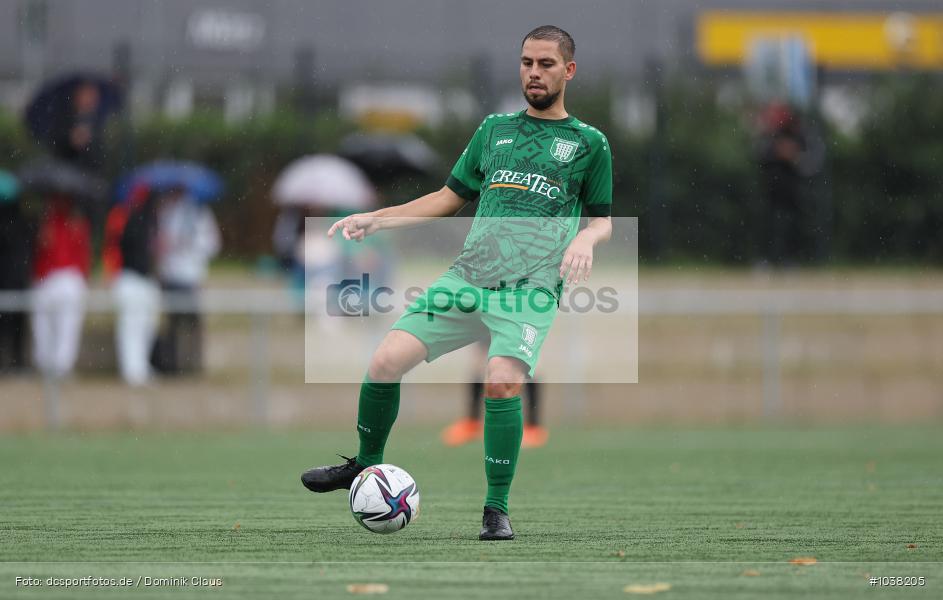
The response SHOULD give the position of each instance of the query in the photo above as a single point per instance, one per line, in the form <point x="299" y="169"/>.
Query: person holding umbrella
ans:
<point x="68" y="114"/>
<point x="61" y="264"/>
<point x="320" y="185"/>
<point x="187" y="238"/>
<point x="61" y="261"/>
<point x="129" y="258"/>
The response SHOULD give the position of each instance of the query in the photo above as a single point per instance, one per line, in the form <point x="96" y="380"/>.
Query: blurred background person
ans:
<point x="786" y="157"/>
<point x="16" y="244"/>
<point x="188" y="239"/>
<point x="287" y="235"/>
<point x="321" y="186"/>
<point x="80" y="134"/>
<point x="178" y="237"/>
<point x="288" y="229"/>
<point x="130" y="258"/>
<point x="68" y="115"/>
<point x="61" y="264"/>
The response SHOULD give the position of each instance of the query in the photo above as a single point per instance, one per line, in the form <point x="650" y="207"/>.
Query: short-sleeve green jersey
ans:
<point x="535" y="178"/>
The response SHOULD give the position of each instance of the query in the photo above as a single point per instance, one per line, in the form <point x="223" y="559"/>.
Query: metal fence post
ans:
<point x="260" y="367"/>
<point x="51" y="403"/>
<point x="772" y="400"/>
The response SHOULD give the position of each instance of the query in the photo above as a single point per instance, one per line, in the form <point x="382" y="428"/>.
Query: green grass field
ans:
<point x="715" y="513"/>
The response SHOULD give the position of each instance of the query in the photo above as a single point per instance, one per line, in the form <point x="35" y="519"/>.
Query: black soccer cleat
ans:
<point x="495" y="525"/>
<point x="330" y="478"/>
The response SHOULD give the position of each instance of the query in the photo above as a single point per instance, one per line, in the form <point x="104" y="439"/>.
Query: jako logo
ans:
<point x="504" y="141"/>
<point x="362" y="428"/>
<point x="498" y="461"/>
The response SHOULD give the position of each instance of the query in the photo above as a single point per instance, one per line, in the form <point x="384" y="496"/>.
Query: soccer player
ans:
<point x="535" y="172"/>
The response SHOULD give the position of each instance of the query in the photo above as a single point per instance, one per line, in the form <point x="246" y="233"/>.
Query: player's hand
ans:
<point x="355" y="227"/>
<point x="578" y="260"/>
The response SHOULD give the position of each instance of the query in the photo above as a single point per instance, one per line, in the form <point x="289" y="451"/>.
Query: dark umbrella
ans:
<point x="51" y="175"/>
<point x="201" y="183"/>
<point x="389" y="156"/>
<point x="53" y="104"/>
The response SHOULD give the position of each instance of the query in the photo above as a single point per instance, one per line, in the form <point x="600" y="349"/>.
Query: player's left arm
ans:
<point x="596" y="197"/>
<point x="578" y="259"/>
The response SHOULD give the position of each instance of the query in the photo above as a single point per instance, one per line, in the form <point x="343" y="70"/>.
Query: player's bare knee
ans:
<point x="398" y="353"/>
<point x="384" y="368"/>
<point x="502" y="390"/>
<point x="505" y="377"/>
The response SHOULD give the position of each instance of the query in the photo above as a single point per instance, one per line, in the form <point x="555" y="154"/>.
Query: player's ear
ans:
<point x="570" y="70"/>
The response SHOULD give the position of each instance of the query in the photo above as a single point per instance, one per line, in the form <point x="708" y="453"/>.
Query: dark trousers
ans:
<point x="784" y="233"/>
<point x="179" y="346"/>
<point x="12" y="341"/>
<point x="783" y="227"/>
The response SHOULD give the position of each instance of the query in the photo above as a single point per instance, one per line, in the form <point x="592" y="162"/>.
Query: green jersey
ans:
<point x="535" y="178"/>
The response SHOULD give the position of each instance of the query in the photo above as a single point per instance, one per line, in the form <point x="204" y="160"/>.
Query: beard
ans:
<point x="543" y="102"/>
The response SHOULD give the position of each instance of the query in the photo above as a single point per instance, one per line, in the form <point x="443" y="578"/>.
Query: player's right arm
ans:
<point x="462" y="186"/>
<point x="441" y="203"/>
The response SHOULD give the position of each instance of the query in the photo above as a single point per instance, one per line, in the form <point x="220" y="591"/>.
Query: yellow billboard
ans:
<point x="852" y="41"/>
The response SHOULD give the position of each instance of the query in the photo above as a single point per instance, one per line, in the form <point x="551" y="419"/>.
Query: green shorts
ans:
<point x="453" y="313"/>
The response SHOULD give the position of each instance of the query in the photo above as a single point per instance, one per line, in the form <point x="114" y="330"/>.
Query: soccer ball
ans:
<point x="384" y="498"/>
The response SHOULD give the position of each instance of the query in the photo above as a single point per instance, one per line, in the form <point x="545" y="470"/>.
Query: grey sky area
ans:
<point x="356" y="39"/>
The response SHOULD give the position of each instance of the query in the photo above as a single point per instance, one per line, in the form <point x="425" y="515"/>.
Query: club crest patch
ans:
<point x="563" y="150"/>
<point x="529" y="335"/>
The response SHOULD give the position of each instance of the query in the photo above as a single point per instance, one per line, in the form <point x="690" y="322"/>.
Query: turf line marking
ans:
<point x="470" y="562"/>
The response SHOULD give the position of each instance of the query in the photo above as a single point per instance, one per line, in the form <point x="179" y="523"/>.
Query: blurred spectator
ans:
<point x="78" y="132"/>
<point x="68" y="115"/>
<point x="309" y="258"/>
<point x="60" y="269"/>
<point x="16" y="245"/>
<point x="189" y="238"/>
<point x="319" y="185"/>
<point x="289" y="227"/>
<point x="786" y="157"/>
<point x="130" y="253"/>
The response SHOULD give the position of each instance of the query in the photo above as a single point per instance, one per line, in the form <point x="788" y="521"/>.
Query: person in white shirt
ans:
<point x="189" y="239"/>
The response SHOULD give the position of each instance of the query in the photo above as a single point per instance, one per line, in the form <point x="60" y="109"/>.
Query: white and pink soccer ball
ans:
<point x="384" y="498"/>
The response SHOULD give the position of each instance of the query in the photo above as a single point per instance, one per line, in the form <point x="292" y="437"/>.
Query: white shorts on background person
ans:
<point x="58" y="310"/>
<point x="137" y="299"/>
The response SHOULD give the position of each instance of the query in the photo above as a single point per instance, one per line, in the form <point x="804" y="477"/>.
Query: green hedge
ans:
<point x="878" y="198"/>
<point x="694" y="187"/>
<point x="888" y="181"/>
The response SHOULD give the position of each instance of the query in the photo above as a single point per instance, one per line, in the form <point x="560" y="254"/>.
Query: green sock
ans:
<point x="379" y="404"/>
<point x="504" y="426"/>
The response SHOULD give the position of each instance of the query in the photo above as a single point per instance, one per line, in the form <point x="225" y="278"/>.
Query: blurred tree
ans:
<point x="889" y="178"/>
